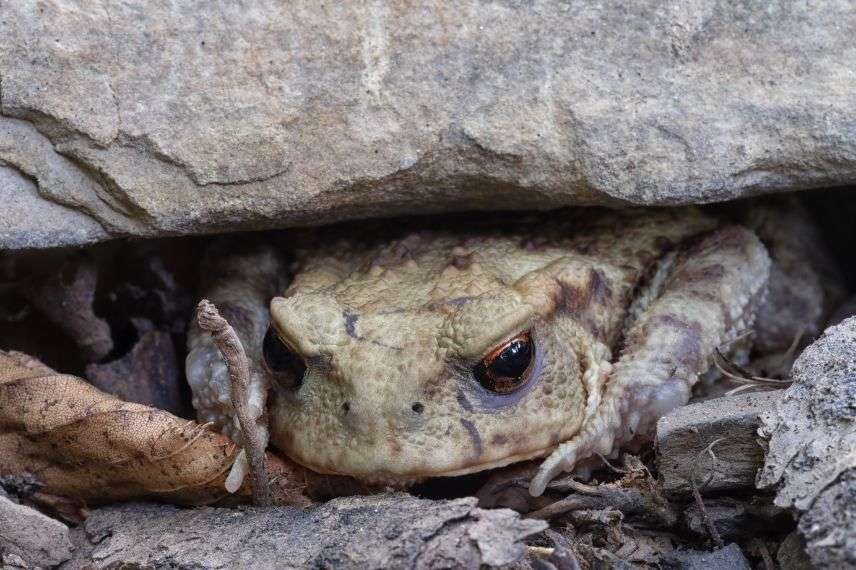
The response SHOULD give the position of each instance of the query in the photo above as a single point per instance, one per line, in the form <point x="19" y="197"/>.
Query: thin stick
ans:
<point x="230" y="347"/>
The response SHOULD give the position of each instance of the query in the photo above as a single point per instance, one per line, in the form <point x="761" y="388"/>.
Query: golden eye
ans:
<point x="286" y="366"/>
<point x="506" y="367"/>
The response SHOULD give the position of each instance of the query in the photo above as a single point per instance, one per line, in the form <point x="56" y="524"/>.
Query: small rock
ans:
<point x="684" y="434"/>
<point x="729" y="557"/>
<point x="29" y="538"/>
<point x="394" y="530"/>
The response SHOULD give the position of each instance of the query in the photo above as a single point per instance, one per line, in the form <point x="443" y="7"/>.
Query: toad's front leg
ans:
<point x="709" y="296"/>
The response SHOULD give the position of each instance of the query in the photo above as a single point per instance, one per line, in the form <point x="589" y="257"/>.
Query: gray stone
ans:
<point x="730" y="423"/>
<point x="179" y="117"/>
<point x="383" y="531"/>
<point x="791" y="553"/>
<point x="811" y="461"/>
<point x="735" y="519"/>
<point x="29" y="536"/>
<point x="729" y="557"/>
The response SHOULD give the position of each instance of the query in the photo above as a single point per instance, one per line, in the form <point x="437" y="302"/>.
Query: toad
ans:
<point x="397" y="355"/>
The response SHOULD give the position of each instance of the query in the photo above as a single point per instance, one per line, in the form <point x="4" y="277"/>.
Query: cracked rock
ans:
<point x="382" y="531"/>
<point x="178" y="119"/>
<point x="811" y="461"/>
<point x="28" y="538"/>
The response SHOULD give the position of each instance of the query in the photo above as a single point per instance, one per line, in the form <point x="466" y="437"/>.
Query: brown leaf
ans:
<point x="82" y="443"/>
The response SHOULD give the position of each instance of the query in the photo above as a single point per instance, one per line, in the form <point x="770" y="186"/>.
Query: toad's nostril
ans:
<point x="346" y="407"/>
<point x="417" y="407"/>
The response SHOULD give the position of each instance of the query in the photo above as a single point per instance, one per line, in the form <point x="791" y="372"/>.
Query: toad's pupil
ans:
<point x="505" y="370"/>
<point x="287" y="367"/>
<point x="513" y="360"/>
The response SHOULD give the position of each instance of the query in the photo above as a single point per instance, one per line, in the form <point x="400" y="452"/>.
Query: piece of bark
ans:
<point x="149" y="374"/>
<point x="36" y="539"/>
<point x="729" y="424"/>
<point x="729" y="557"/>
<point x="66" y="298"/>
<point x="393" y="530"/>
<point x="811" y="460"/>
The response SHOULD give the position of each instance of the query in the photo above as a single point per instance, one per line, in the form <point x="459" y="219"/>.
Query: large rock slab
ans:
<point x="811" y="460"/>
<point x="383" y="531"/>
<point x="187" y="117"/>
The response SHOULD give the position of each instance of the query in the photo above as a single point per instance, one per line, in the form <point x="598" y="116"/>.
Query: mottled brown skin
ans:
<point x="625" y="310"/>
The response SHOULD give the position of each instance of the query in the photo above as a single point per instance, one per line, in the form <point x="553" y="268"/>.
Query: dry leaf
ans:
<point x="82" y="443"/>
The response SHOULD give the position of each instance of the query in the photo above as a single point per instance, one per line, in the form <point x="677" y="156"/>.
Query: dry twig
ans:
<point x="230" y="347"/>
<point x="739" y="375"/>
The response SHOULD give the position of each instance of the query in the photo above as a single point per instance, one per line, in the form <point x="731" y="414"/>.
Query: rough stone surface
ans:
<point x="728" y="558"/>
<point x="791" y="553"/>
<point x="382" y="531"/>
<point x="811" y="460"/>
<point x="30" y="221"/>
<point x="181" y="117"/>
<point x="29" y="536"/>
<point x="732" y="422"/>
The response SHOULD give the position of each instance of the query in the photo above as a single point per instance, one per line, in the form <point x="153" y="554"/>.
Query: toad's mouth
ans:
<point x="404" y="478"/>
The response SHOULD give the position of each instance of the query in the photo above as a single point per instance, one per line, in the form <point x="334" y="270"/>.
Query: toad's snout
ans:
<point x="367" y="415"/>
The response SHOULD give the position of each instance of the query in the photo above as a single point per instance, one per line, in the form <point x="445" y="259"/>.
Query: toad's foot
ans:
<point x="710" y="295"/>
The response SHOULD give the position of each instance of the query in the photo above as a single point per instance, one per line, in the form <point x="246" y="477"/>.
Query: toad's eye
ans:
<point x="507" y="367"/>
<point x="286" y="366"/>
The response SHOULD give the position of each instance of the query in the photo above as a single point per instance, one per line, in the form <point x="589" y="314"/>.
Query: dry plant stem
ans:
<point x="232" y="350"/>
<point x="708" y="522"/>
<point x="541" y="551"/>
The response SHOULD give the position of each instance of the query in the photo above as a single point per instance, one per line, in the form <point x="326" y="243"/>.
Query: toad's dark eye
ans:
<point x="507" y="367"/>
<point x="286" y="366"/>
